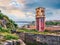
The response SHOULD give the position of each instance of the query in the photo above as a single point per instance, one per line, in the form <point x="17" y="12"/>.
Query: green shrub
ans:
<point x="4" y="30"/>
<point x="10" y="36"/>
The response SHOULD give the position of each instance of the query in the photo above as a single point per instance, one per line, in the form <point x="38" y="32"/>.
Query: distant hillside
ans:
<point x="51" y="22"/>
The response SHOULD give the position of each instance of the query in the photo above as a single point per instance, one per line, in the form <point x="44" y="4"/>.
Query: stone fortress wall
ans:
<point x="49" y="39"/>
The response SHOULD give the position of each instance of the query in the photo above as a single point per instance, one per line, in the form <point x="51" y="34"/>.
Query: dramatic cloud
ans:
<point x="52" y="14"/>
<point x="25" y="9"/>
<point x="43" y="3"/>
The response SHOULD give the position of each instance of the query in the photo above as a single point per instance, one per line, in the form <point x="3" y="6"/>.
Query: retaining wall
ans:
<point x="49" y="39"/>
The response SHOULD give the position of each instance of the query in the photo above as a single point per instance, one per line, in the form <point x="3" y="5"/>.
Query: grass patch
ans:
<point x="4" y="30"/>
<point x="11" y="36"/>
<point x="8" y="36"/>
<point x="35" y="31"/>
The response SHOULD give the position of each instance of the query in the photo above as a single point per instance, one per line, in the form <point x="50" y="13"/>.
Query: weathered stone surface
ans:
<point x="49" y="39"/>
<point x="13" y="42"/>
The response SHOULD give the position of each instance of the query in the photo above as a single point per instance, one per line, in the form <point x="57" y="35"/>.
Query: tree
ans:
<point x="4" y="20"/>
<point x="52" y="23"/>
<point x="1" y="16"/>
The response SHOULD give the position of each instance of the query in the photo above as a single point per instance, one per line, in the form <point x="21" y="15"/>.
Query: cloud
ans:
<point x="43" y="3"/>
<point x="11" y="7"/>
<point x="11" y="4"/>
<point x="18" y="13"/>
<point x="52" y="14"/>
<point x="25" y="9"/>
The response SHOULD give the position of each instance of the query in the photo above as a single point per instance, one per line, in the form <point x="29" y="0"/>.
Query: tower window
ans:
<point x="42" y="10"/>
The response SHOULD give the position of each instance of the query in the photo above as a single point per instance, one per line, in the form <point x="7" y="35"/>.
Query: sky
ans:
<point x="24" y="10"/>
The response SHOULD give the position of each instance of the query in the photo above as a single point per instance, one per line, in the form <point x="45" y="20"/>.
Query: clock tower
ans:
<point x="40" y="19"/>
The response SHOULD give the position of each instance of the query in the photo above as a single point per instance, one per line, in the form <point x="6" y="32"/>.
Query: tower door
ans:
<point x="42" y="24"/>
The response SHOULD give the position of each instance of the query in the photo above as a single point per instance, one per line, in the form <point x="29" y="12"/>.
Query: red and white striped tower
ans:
<point x="40" y="19"/>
